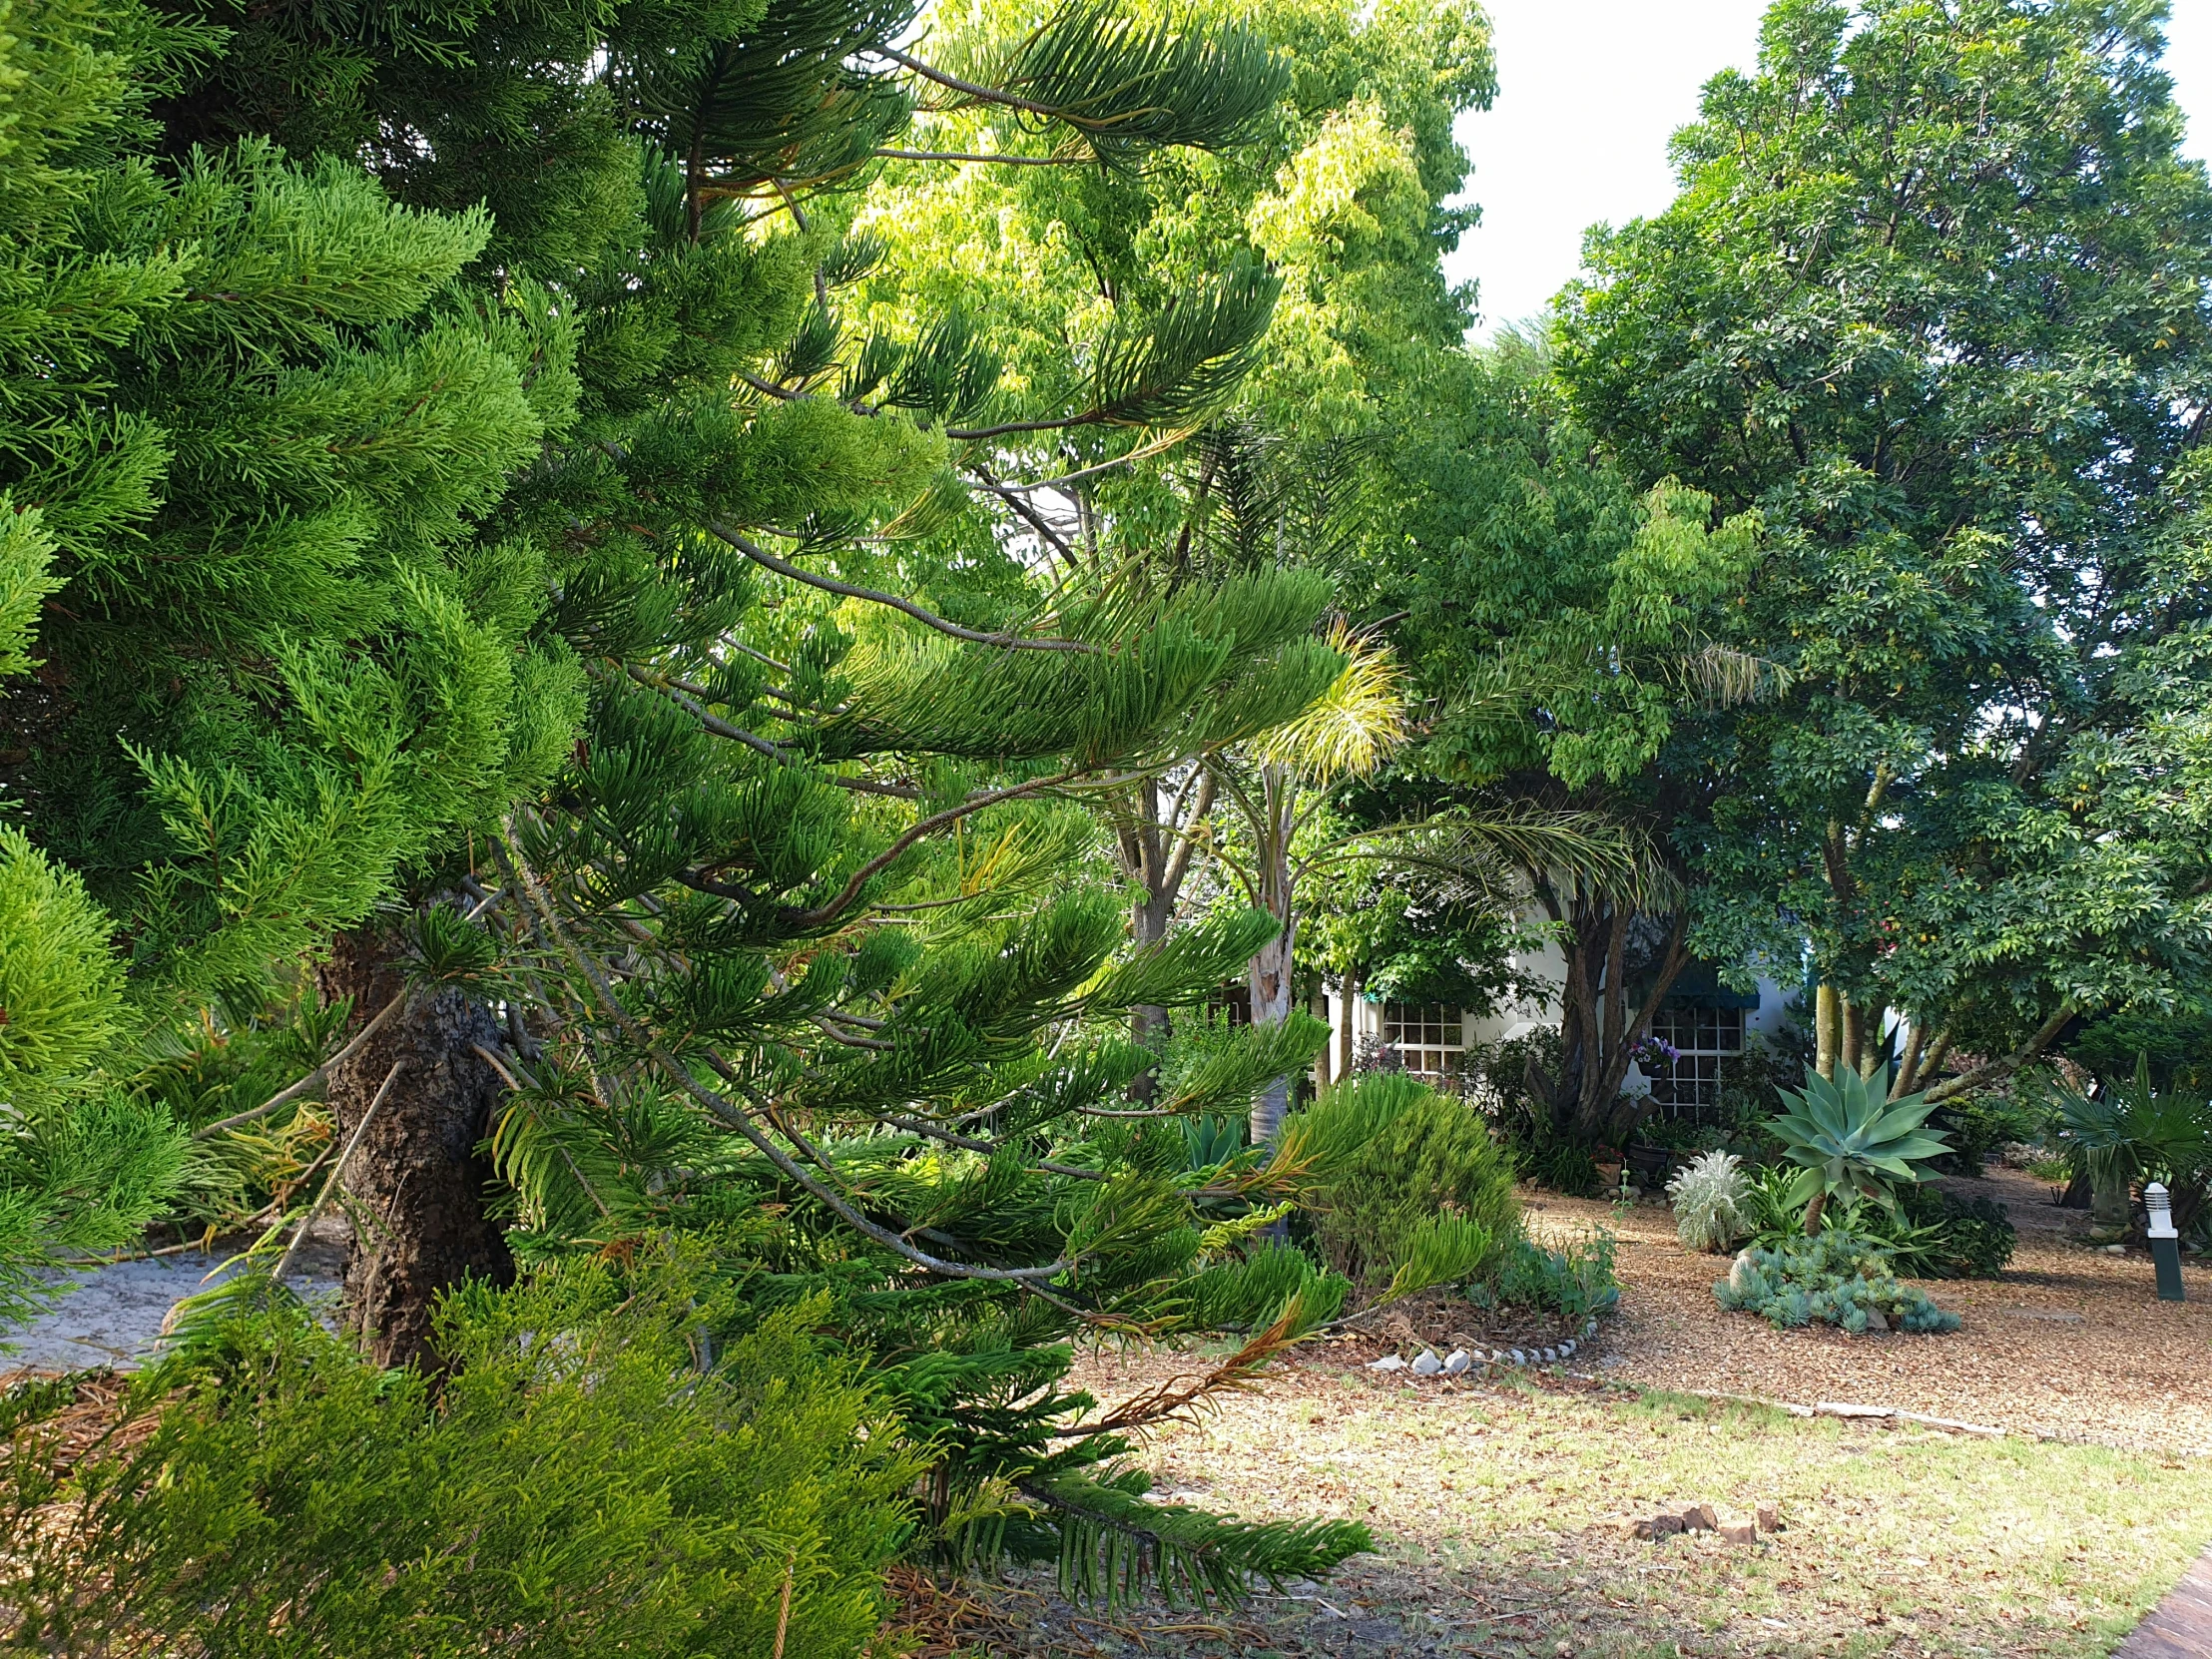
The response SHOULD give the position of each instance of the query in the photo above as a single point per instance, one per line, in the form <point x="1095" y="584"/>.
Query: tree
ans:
<point x="1934" y="301"/>
<point x="249" y="428"/>
<point x="790" y="955"/>
<point x="1560" y="622"/>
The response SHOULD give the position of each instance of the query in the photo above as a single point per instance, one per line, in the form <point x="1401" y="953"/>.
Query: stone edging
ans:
<point x="1461" y="1360"/>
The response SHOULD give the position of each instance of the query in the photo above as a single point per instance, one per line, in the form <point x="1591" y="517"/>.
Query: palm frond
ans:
<point x="1352" y="727"/>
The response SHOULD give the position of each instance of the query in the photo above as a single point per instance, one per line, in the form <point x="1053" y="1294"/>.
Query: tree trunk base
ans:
<point x="416" y="1173"/>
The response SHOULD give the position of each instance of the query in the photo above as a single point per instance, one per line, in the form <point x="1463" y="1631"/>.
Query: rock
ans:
<point x="1518" y="1358"/>
<point x="1458" y="1362"/>
<point x="1388" y="1362"/>
<point x="1566" y="1347"/>
<point x="1591" y="1330"/>
<point x="1426" y="1363"/>
<point x="1875" y="1321"/>
<point x="1552" y="1356"/>
<point x="1770" y="1517"/>
<point x="1739" y="1532"/>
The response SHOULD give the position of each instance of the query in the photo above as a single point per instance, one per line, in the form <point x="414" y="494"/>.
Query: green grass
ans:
<point x="1897" y="1541"/>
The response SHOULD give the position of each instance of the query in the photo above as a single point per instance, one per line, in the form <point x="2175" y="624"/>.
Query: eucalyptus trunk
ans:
<point x="1269" y="971"/>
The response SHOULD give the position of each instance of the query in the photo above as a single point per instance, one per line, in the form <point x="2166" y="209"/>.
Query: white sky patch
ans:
<point x="1590" y="91"/>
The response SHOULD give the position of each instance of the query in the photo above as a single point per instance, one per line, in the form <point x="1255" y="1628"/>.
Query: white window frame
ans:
<point x="1438" y="1042"/>
<point x="1692" y="1085"/>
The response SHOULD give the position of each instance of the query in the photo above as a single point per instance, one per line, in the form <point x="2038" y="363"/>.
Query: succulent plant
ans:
<point x="1850" y="1138"/>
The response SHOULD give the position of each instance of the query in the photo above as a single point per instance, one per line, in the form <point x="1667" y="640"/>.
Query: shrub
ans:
<point x="1712" y="1202"/>
<point x="1973" y="1237"/>
<point x="1398" y="1155"/>
<point x="1576" y="1281"/>
<point x="1837" y="1277"/>
<point x="588" y="1481"/>
<point x="1979" y="1126"/>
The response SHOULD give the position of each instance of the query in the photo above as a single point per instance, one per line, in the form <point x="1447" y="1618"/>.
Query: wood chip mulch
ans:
<point x="2069" y="1343"/>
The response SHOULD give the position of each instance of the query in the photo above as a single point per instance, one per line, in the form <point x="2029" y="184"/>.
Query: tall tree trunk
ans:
<point x="416" y="1171"/>
<point x="1826" y="1022"/>
<point x="1269" y="971"/>
<point x="1154" y="839"/>
<point x="1347" y="1025"/>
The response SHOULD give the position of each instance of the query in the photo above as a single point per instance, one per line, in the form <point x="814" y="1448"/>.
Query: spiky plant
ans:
<point x="1849" y="1138"/>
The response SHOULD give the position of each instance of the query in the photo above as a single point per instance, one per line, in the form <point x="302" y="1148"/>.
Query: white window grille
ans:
<point x="1424" y="1037"/>
<point x="1701" y="1039"/>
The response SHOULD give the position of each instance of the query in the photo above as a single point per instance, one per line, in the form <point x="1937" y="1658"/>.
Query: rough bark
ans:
<point x="416" y="1172"/>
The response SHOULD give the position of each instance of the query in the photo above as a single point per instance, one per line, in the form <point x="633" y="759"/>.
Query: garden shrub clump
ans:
<point x="1970" y="1238"/>
<point x="1836" y="1277"/>
<point x="1712" y="1202"/>
<point x="598" y="1477"/>
<point x="1576" y="1281"/>
<point x="1404" y="1156"/>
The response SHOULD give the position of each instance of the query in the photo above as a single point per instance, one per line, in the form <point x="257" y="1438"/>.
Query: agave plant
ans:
<point x="1852" y="1139"/>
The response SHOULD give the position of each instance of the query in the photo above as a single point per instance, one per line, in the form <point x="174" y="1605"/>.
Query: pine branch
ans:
<point x="507" y="848"/>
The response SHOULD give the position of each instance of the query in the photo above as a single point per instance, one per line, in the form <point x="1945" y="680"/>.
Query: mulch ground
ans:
<point x="2071" y="1343"/>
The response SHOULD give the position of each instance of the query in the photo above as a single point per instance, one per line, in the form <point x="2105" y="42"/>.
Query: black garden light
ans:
<point x="2165" y="1242"/>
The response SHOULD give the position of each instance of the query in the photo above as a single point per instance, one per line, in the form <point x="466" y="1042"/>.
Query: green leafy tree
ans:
<point x="245" y="430"/>
<point x="1934" y="301"/>
<point x="1560" y="622"/>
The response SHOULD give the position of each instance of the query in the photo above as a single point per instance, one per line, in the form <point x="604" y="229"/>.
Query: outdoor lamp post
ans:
<point x="2166" y="1244"/>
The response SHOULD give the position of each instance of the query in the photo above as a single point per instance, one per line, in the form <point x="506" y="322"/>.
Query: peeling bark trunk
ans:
<point x="416" y="1171"/>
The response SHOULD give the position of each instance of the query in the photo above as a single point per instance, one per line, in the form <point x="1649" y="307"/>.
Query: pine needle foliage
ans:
<point x="596" y="1478"/>
<point x="501" y="558"/>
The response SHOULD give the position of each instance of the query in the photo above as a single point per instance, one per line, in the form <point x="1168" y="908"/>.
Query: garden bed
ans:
<point x="2069" y="1343"/>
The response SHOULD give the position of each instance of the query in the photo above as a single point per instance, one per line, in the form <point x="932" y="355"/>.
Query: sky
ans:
<point x="1589" y="92"/>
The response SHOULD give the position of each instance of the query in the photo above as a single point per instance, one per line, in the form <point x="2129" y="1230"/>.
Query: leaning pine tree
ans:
<point x="794" y="954"/>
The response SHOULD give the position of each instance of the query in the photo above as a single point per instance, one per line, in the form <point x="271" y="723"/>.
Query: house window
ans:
<point x="1423" y="1037"/>
<point x="1701" y="1039"/>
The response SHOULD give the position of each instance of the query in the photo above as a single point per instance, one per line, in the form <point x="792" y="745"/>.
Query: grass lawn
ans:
<point x="1897" y="1541"/>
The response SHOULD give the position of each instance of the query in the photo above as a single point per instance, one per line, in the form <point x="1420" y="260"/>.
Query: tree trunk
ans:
<point x="416" y="1171"/>
<point x="1269" y="971"/>
<point x="1347" y="1025"/>
<point x="1813" y="1213"/>
<point x="1826" y="1021"/>
<point x="1271" y="1006"/>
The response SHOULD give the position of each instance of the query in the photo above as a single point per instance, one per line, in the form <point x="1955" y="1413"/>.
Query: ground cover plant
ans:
<point x="1832" y="1278"/>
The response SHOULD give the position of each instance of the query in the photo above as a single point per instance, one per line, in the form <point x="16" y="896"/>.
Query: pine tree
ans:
<point x="794" y="952"/>
<point x="246" y="426"/>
